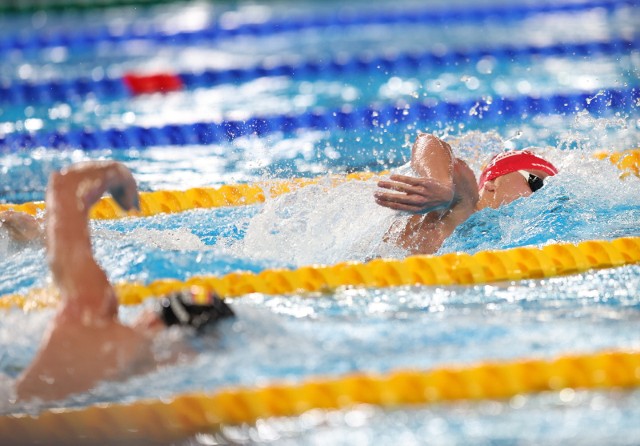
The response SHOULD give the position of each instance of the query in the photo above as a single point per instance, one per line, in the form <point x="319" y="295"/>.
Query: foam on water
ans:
<point x="568" y="417"/>
<point x="319" y="224"/>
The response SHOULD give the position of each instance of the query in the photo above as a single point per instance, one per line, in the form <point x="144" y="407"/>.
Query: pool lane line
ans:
<point x="32" y="6"/>
<point x="339" y="18"/>
<point x="185" y="415"/>
<point x="600" y="102"/>
<point x="485" y="267"/>
<point x="244" y="194"/>
<point x="173" y="201"/>
<point x="135" y="84"/>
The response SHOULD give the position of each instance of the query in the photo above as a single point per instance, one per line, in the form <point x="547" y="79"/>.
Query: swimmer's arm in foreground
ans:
<point x="85" y="343"/>
<point x="441" y="197"/>
<point x="20" y="226"/>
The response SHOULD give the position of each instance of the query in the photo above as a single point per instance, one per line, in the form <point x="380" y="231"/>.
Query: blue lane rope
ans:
<point x="71" y="90"/>
<point x="600" y="102"/>
<point x="341" y="18"/>
<point x="23" y="6"/>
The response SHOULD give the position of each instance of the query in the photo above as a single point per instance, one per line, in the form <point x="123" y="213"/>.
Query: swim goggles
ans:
<point x="534" y="181"/>
<point x="193" y="308"/>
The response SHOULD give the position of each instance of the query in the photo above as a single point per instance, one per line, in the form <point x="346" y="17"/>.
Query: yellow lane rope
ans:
<point x="628" y="161"/>
<point x="448" y="269"/>
<point x="167" y="201"/>
<point x="186" y="415"/>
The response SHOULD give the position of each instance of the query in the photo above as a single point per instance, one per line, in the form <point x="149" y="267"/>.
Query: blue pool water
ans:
<point x="292" y="338"/>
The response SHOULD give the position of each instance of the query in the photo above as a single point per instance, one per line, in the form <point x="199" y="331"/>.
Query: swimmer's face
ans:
<point x="503" y="190"/>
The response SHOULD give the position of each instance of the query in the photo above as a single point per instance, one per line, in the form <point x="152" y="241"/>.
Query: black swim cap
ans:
<point x="180" y="308"/>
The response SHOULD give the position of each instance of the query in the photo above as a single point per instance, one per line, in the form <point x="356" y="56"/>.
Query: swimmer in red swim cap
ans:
<point x="501" y="181"/>
<point x="444" y="193"/>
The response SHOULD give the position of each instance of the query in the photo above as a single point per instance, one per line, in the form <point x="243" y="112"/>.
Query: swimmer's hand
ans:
<point x="20" y="226"/>
<point x="123" y="189"/>
<point x="416" y="195"/>
<point x="91" y="179"/>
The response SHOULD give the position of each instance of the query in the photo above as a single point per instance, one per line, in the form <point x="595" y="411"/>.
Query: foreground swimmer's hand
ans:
<point x="91" y="179"/>
<point x="20" y="226"/>
<point x="416" y="195"/>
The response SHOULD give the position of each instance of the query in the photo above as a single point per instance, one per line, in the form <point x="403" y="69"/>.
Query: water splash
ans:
<point x="319" y="224"/>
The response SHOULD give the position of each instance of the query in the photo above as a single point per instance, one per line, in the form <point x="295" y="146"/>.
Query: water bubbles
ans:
<point x="349" y="93"/>
<point x="474" y="110"/>
<point x="517" y="134"/>
<point x="589" y="100"/>
<point x="33" y="125"/>
<point x="25" y="71"/>
<point x="486" y="65"/>
<point x="129" y="117"/>
<point x="471" y="82"/>
<point x="523" y="86"/>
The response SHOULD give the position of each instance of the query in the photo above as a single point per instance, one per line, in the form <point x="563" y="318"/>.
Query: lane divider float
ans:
<point x="448" y="269"/>
<point x="602" y="102"/>
<point x="341" y="18"/>
<point x="171" y="201"/>
<point x="133" y="84"/>
<point x="29" y="6"/>
<point x="182" y="416"/>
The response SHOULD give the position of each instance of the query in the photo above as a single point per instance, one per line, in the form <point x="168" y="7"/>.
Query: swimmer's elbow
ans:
<point x="428" y="141"/>
<point x="431" y="157"/>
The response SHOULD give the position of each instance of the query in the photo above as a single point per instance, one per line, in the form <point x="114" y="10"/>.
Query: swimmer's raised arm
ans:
<point x="85" y="342"/>
<point x="432" y="159"/>
<point x="86" y="293"/>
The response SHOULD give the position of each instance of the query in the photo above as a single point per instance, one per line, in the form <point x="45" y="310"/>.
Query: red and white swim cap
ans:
<point x="514" y="160"/>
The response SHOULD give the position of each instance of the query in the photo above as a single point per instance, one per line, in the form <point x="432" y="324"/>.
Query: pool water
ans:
<point x="297" y="337"/>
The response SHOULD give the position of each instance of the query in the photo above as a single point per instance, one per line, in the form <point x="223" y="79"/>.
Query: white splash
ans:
<point x="320" y="224"/>
<point x="179" y="239"/>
